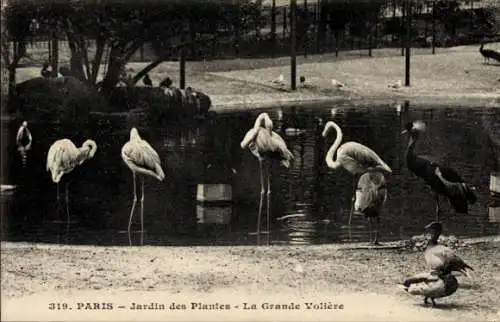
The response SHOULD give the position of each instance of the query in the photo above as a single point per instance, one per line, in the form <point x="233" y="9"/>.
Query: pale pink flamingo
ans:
<point x="371" y="194"/>
<point x="266" y="145"/>
<point x="141" y="158"/>
<point x="352" y="156"/>
<point x="63" y="157"/>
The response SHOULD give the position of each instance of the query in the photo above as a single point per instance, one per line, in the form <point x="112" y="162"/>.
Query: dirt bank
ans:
<point x="365" y="281"/>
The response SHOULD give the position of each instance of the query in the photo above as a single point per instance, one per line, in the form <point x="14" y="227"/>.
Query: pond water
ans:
<point x="208" y="151"/>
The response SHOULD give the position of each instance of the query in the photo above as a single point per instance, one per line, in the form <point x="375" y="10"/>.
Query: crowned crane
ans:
<point x="371" y="194"/>
<point x="352" y="156"/>
<point x="489" y="53"/>
<point x="442" y="180"/>
<point x="440" y="258"/>
<point x="142" y="159"/>
<point x="266" y="145"/>
<point x="431" y="286"/>
<point x="63" y="157"/>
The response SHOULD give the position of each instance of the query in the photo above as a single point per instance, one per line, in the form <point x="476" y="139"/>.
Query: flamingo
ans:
<point x="63" y="157"/>
<point x="371" y="195"/>
<point x="442" y="180"/>
<point x="352" y="156"/>
<point x="23" y="140"/>
<point x="142" y="159"/>
<point x="266" y="145"/>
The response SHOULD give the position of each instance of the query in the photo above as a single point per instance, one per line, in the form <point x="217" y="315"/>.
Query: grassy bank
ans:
<point x="454" y="76"/>
<point x="365" y="280"/>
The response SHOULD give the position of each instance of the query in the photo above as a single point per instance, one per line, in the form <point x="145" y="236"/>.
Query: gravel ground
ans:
<point x="365" y="281"/>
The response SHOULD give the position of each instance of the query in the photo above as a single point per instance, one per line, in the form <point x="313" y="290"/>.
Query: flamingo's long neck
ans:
<point x="331" y="152"/>
<point x="264" y="121"/>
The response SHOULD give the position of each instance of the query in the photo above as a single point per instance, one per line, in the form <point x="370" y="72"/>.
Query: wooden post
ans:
<point x="403" y="14"/>
<point x="273" y="27"/>
<point x="408" y="42"/>
<point x="182" y="68"/>
<point x="284" y="21"/>
<point x="55" y="54"/>
<point x="293" y="14"/>
<point x="306" y="30"/>
<point x="433" y="27"/>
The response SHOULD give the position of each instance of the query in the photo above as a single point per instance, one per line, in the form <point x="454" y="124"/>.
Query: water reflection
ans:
<point x="209" y="152"/>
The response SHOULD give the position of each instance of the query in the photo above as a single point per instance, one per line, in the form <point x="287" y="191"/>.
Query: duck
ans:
<point x="440" y="258"/>
<point x="431" y="286"/>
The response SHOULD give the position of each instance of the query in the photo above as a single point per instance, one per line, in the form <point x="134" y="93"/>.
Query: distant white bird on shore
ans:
<point x="396" y="84"/>
<point x="280" y="80"/>
<point x="141" y="158"/>
<point x="63" y="157"/>
<point x="7" y="187"/>
<point x="337" y="84"/>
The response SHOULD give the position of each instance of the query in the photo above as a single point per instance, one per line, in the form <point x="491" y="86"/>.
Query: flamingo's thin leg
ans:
<point x="268" y="201"/>
<point x="142" y="213"/>
<point x="132" y="212"/>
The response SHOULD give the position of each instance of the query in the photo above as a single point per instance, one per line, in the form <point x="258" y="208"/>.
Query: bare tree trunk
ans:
<point x="5" y="57"/>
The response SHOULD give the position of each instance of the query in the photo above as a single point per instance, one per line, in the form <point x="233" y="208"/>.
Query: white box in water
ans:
<point x="495" y="182"/>
<point x="494" y="214"/>
<point x="213" y="215"/>
<point x="214" y="192"/>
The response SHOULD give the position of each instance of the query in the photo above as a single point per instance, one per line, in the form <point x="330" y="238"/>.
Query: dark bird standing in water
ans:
<point x="147" y="81"/>
<point x="489" y="53"/>
<point x="440" y="258"/>
<point x="167" y="82"/>
<point x="371" y="194"/>
<point x="23" y="141"/>
<point x="431" y="286"/>
<point x="442" y="180"/>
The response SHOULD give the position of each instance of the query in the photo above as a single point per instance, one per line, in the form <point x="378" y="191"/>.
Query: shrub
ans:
<point x="62" y="99"/>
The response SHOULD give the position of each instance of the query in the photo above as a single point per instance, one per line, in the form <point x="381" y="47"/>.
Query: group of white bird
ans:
<point x="281" y="81"/>
<point x="335" y="83"/>
<point x="63" y="157"/>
